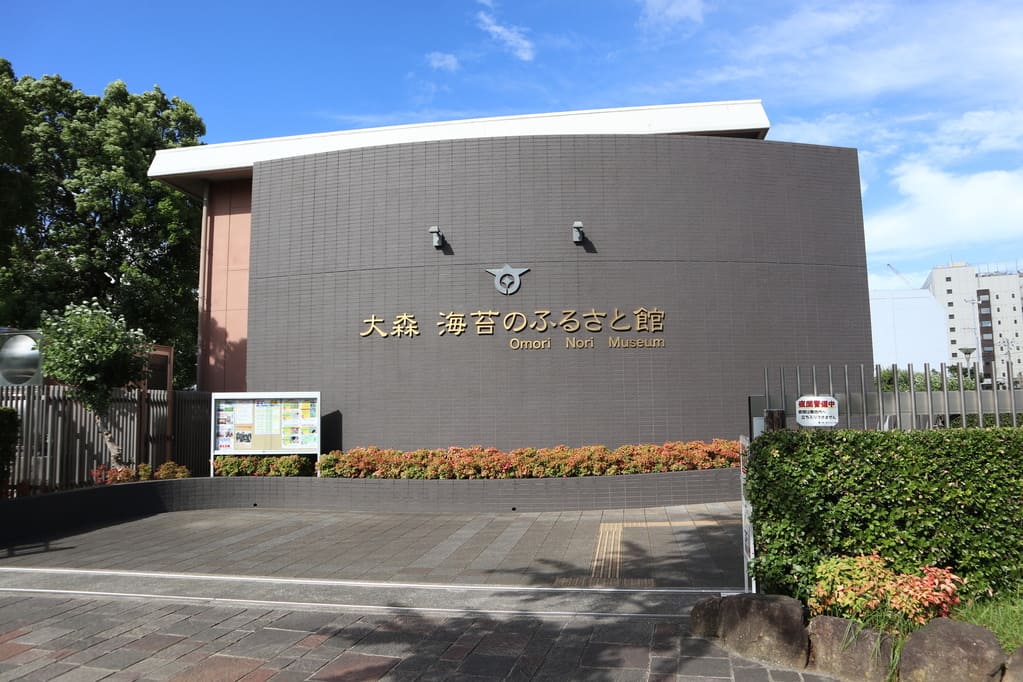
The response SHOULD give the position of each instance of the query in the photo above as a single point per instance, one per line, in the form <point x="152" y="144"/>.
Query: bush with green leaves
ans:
<point x="9" y="427"/>
<point x="93" y="351"/>
<point x="863" y="588"/>
<point x="559" y="461"/>
<point x="917" y="498"/>
<point x="170" y="469"/>
<point x="264" y="465"/>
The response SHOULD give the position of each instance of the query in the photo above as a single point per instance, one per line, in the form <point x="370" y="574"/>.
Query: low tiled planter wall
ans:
<point x="29" y="517"/>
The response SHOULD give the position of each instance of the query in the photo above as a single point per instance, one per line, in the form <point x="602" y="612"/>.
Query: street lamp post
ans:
<point x="1005" y="345"/>
<point x="967" y="351"/>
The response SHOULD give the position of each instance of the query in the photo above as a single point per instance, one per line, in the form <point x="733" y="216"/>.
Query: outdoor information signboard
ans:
<point x="817" y="410"/>
<point x="265" y="424"/>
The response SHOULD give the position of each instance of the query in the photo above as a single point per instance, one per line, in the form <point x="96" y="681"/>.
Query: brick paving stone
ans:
<point x="219" y="668"/>
<point x="154" y="642"/>
<point x="383" y="642"/>
<point x="487" y="665"/>
<point x="11" y="634"/>
<point x="785" y="676"/>
<point x="306" y="665"/>
<point x="182" y="648"/>
<point x="118" y="659"/>
<point x="43" y="635"/>
<point x="624" y="633"/>
<point x="356" y="667"/>
<point x="751" y="675"/>
<point x="695" y="646"/>
<point x="15" y="671"/>
<point x="663" y="665"/>
<point x="560" y="663"/>
<point x="602" y="655"/>
<point x="289" y="676"/>
<point x="312" y="641"/>
<point x="9" y="650"/>
<point x="306" y="622"/>
<point x="440" y="671"/>
<point x="457" y="652"/>
<point x="45" y="673"/>
<point x="503" y="643"/>
<point x="34" y="655"/>
<point x="259" y="675"/>
<point x="83" y="674"/>
<point x="265" y="643"/>
<point x="707" y="667"/>
<point x="185" y="627"/>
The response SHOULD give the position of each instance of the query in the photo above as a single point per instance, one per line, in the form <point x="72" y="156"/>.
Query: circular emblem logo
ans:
<point x="507" y="279"/>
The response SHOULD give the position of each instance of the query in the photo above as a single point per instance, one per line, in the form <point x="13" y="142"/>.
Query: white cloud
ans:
<point x="810" y="30"/>
<point x="511" y="37"/>
<point x="830" y="129"/>
<point x="944" y="50"/>
<point x="667" y="13"/>
<point x="939" y="209"/>
<point x="987" y="131"/>
<point x="442" y="61"/>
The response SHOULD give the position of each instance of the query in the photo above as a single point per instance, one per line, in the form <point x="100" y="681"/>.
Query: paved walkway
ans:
<point x="274" y="595"/>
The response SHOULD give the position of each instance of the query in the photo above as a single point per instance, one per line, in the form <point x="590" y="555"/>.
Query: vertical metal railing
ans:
<point x="61" y="442"/>
<point x="898" y="398"/>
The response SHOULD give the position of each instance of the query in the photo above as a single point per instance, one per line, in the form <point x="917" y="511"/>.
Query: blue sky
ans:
<point x="931" y="93"/>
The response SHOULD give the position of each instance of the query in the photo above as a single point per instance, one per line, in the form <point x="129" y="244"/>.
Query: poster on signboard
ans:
<point x="266" y="423"/>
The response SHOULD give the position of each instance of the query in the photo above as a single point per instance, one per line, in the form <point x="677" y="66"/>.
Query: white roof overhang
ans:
<point x="190" y="168"/>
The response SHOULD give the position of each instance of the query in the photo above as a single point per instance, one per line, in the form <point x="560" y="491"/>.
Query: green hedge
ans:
<point x="948" y="498"/>
<point x="264" y="465"/>
<point x="480" y="462"/>
<point x="9" y="425"/>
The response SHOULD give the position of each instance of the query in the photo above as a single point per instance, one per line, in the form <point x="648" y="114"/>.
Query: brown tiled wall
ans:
<point x="224" y="301"/>
<point x="754" y="251"/>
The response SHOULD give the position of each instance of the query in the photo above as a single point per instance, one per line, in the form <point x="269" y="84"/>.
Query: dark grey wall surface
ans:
<point x="45" y="516"/>
<point x="753" y="250"/>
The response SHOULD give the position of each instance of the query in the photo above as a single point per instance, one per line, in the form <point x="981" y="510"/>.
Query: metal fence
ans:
<point x="946" y="397"/>
<point x="61" y="442"/>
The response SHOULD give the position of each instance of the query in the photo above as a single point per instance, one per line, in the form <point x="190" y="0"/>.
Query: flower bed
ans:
<point x="478" y="462"/>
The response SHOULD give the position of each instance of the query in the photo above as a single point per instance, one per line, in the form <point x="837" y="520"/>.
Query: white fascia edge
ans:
<point x="708" y="117"/>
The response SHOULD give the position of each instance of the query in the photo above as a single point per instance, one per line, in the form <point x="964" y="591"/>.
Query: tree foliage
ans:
<point x="921" y="380"/>
<point x="93" y="351"/>
<point x="80" y="219"/>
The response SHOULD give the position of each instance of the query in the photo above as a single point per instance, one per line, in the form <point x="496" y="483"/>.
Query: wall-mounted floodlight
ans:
<point x="438" y="237"/>
<point x="577" y="232"/>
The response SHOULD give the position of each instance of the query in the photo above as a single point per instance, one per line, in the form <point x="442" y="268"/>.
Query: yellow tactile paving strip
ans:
<point x="606" y="567"/>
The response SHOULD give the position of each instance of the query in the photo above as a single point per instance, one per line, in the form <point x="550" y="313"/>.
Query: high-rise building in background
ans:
<point x="984" y="319"/>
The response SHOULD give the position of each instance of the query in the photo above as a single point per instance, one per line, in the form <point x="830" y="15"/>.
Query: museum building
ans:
<point x="609" y="276"/>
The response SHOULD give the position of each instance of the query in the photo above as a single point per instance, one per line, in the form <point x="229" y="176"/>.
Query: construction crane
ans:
<point x="899" y="275"/>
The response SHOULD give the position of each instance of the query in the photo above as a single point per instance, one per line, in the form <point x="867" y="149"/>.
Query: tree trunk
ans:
<point x="112" y="447"/>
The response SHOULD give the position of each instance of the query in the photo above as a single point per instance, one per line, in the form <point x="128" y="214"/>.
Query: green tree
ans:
<point x="15" y="153"/>
<point x="921" y="380"/>
<point x="93" y="351"/>
<point x="96" y="226"/>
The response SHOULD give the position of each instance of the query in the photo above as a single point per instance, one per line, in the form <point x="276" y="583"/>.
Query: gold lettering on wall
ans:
<point x="631" y="330"/>
<point x="623" y="342"/>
